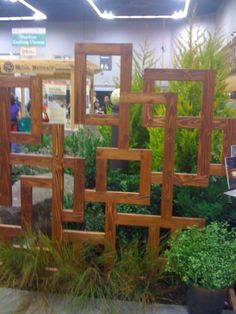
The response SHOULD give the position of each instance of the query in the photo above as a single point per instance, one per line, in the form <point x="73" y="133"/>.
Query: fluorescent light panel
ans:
<point x="110" y="16"/>
<point x="37" y="15"/>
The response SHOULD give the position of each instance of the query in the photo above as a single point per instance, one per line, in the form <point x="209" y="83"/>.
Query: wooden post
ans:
<point x="72" y="98"/>
<point x="57" y="180"/>
<point x="5" y="167"/>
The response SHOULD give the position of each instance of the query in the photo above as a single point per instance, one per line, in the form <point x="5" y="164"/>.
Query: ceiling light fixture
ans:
<point x="110" y="16"/>
<point x="37" y="15"/>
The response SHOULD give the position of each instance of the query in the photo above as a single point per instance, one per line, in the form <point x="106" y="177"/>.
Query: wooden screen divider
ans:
<point x="57" y="162"/>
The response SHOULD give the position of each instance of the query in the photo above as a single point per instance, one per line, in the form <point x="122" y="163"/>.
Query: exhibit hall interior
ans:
<point x="118" y="156"/>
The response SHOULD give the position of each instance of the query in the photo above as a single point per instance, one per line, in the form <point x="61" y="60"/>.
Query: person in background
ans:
<point x="15" y="114"/>
<point x="45" y="116"/>
<point x="107" y="104"/>
<point x="97" y="108"/>
<point x="18" y="102"/>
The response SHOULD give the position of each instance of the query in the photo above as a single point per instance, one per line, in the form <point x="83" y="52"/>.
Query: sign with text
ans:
<point x="24" y="37"/>
<point x="28" y="52"/>
<point x="106" y="63"/>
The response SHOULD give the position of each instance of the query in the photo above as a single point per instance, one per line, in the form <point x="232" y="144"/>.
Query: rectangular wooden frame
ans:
<point x="102" y="195"/>
<point x="81" y="52"/>
<point x="35" y="86"/>
<point x="204" y="122"/>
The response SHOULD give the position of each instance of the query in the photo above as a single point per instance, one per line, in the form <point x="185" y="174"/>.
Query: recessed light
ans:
<point x="110" y="16"/>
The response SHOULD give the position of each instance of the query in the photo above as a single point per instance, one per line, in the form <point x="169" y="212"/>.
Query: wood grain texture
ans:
<point x="140" y="220"/>
<point x="116" y="197"/>
<point x="10" y="231"/>
<point x="26" y="206"/>
<point x="110" y="224"/>
<point x="103" y="154"/>
<point x="125" y="86"/>
<point x="36" y="98"/>
<point x="11" y="81"/>
<point x="84" y="236"/>
<point x="57" y="181"/>
<point x="204" y="145"/>
<point x="169" y="157"/>
<point x="182" y="179"/>
<point x="5" y="166"/>
<point x="82" y="50"/>
<point x="153" y="240"/>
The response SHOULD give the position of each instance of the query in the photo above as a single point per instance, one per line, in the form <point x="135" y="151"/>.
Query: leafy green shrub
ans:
<point x="83" y="143"/>
<point x="209" y="203"/>
<point x="204" y="257"/>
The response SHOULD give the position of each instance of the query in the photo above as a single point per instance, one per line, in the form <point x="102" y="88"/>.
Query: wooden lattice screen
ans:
<point x="205" y="123"/>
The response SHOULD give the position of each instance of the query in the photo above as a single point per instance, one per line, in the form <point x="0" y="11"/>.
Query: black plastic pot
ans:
<point x="204" y="301"/>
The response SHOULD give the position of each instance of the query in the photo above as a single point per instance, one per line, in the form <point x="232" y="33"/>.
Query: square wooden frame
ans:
<point x="203" y="123"/>
<point x="102" y="195"/>
<point x="81" y="52"/>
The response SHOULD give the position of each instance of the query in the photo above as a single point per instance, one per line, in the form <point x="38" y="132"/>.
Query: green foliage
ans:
<point x="105" y="132"/>
<point x="83" y="143"/>
<point x="209" y="203"/>
<point x="84" y="274"/>
<point x="204" y="257"/>
<point x="43" y="148"/>
<point x="143" y="59"/>
<point x="198" y="50"/>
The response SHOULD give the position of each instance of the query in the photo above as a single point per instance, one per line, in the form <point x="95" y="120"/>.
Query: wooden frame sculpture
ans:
<point x="57" y="161"/>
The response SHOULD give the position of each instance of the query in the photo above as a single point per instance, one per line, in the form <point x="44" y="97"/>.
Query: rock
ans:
<point x="42" y="204"/>
<point x="41" y="194"/>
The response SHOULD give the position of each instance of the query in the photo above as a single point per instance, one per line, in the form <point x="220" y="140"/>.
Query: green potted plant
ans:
<point x="205" y="260"/>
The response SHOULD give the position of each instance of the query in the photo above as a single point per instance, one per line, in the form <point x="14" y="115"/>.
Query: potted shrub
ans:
<point x="205" y="260"/>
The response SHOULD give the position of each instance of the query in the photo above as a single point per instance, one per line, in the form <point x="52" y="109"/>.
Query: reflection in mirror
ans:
<point x="101" y="83"/>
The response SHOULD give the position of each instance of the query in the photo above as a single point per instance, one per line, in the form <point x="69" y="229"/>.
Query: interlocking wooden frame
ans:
<point x="57" y="161"/>
<point x="105" y="154"/>
<point x="7" y="137"/>
<point x="204" y="122"/>
<point x="81" y="53"/>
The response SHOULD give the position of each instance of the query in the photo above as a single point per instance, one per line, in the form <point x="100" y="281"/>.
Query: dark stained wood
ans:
<point x="169" y="157"/>
<point x="153" y="240"/>
<point x="103" y="154"/>
<point x="84" y="236"/>
<point x="11" y="81"/>
<point x="57" y="181"/>
<point x="110" y="224"/>
<point x="125" y="86"/>
<point x="116" y="197"/>
<point x="101" y="175"/>
<point x="5" y="167"/>
<point x="10" y="231"/>
<point x="217" y="170"/>
<point x="81" y="53"/>
<point x="36" y="98"/>
<point x="139" y="220"/>
<point x="180" y="179"/>
<point x="26" y="205"/>
<point x="174" y="75"/>
<point x="95" y="119"/>
<point x="204" y="145"/>
<point x="31" y="159"/>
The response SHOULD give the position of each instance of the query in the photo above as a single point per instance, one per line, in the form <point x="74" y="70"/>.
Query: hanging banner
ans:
<point x="33" y="37"/>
